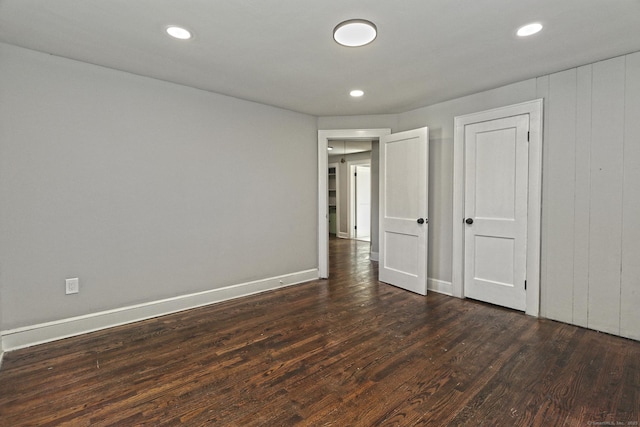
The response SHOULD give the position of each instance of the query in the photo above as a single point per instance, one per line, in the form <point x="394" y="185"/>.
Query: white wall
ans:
<point x="591" y="196"/>
<point x="143" y="189"/>
<point x="439" y="119"/>
<point x="591" y="205"/>
<point x="374" y="121"/>
<point x="147" y="190"/>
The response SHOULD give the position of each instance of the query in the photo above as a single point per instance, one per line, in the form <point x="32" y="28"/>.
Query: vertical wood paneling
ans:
<point x="582" y="196"/>
<point x="560" y="173"/>
<point x="542" y="92"/>
<point x="630" y="284"/>
<point x="607" y="129"/>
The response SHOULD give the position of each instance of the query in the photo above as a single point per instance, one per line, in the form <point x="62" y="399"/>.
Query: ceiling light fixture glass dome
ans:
<point x="529" y="29"/>
<point x="355" y="32"/>
<point x="179" y="32"/>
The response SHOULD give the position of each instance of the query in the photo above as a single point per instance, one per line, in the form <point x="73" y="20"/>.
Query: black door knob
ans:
<point x="420" y="220"/>
<point x="469" y="220"/>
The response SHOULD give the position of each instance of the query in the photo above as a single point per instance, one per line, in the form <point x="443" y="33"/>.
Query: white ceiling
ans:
<point x="281" y="52"/>
<point x="348" y="146"/>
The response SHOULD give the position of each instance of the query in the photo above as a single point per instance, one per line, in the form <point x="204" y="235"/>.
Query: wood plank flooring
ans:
<point x="348" y="351"/>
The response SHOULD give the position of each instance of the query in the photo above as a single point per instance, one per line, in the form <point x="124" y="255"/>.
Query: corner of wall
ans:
<point x="439" y="286"/>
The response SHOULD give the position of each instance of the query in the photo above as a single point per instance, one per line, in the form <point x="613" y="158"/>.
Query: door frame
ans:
<point x="323" y="193"/>
<point x="534" y="212"/>
<point x="351" y="202"/>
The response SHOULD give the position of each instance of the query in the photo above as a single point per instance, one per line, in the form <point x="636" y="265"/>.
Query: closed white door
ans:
<point x="496" y="191"/>
<point x="404" y="159"/>
<point x="363" y="202"/>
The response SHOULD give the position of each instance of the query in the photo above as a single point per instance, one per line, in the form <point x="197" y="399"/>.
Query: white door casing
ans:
<point x="404" y="160"/>
<point x="527" y="263"/>
<point x="496" y="182"/>
<point x="351" y="195"/>
<point x="360" y="203"/>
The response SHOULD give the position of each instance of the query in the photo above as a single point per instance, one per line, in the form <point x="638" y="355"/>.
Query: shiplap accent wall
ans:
<point x="591" y="196"/>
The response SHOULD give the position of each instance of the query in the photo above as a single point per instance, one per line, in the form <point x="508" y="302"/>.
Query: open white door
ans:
<point x="363" y="202"/>
<point x="404" y="160"/>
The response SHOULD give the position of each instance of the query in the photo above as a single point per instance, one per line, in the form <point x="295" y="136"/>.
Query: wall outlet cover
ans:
<point x="72" y="286"/>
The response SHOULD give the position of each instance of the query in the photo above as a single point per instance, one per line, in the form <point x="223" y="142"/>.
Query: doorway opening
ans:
<point x="359" y="205"/>
<point x="497" y="206"/>
<point x="324" y="141"/>
<point x="350" y="198"/>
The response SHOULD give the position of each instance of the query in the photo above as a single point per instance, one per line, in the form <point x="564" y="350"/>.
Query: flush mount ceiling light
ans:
<point x="179" y="32"/>
<point x="356" y="93"/>
<point x="329" y="148"/>
<point x="355" y="32"/>
<point x="529" y="29"/>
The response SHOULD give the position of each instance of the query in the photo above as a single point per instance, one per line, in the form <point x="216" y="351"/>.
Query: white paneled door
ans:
<point x="496" y="191"/>
<point x="404" y="159"/>
<point x="363" y="202"/>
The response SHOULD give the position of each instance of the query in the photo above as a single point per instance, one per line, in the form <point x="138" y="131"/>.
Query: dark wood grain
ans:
<point x="348" y="351"/>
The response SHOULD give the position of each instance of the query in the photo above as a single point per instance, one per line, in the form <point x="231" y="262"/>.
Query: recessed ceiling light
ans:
<point x="529" y="29"/>
<point x="179" y="32"/>
<point x="355" y="32"/>
<point x="356" y="93"/>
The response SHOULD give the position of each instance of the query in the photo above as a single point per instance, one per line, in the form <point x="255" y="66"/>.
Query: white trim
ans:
<point x="374" y="256"/>
<point x="534" y="110"/>
<point x="323" y="207"/>
<point x="343" y="235"/>
<point x="439" y="286"/>
<point x="45" y="332"/>
<point x="351" y="212"/>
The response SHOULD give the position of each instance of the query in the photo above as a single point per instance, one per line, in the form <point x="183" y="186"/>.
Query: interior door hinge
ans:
<point x="528" y="136"/>
<point x="355" y="227"/>
<point x="525" y="285"/>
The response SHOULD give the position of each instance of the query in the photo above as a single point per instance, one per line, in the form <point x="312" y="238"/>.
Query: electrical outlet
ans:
<point x="72" y="286"/>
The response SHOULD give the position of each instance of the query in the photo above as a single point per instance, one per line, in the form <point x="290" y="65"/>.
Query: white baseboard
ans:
<point x="440" y="286"/>
<point x="343" y="235"/>
<point x="1" y="353"/>
<point x="46" y="332"/>
<point x="374" y="256"/>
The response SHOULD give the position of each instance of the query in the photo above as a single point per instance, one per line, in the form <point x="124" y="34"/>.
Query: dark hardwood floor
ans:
<point x="348" y="351"/>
